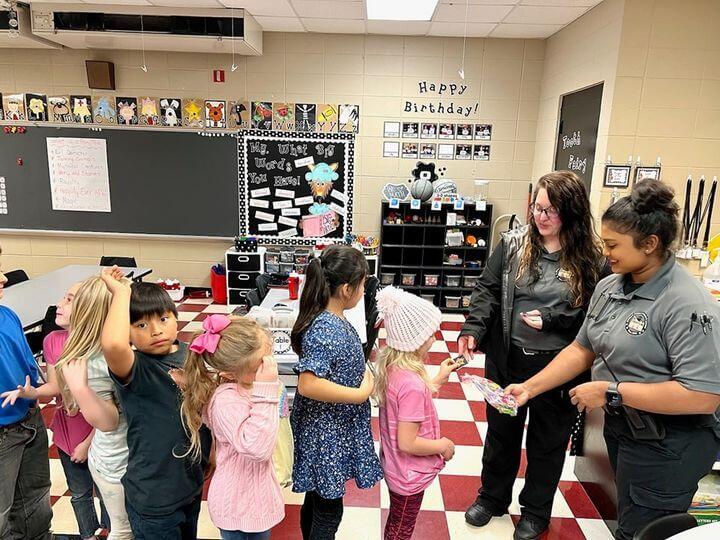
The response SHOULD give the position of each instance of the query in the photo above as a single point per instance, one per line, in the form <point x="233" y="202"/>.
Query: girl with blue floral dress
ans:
<point x="331" y="413"/>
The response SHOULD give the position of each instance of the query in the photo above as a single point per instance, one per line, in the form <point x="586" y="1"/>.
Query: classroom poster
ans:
<point x="82" y="109"/>
<point x="295" y="185"/>
<point x="239" y="114"/>
<point x="127" y="111"/>
<point x="78" y="170"/>
<point x="327" y="118"/>
<point x="104" y="111"/>
<point x="170" y="113"/>
<point x="149" y="111"/>
<point x="36" y="107"/>
<point x="261" y="117"/>
<point x="14" y="106"/>
<point x="192" y="112"/>
<point x="305" y="114"/>
<point x="215" y="114"/>
<point x="283" y="117"/>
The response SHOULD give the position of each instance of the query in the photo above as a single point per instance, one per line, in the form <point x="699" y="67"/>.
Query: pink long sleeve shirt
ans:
<point x="244" y="494"/>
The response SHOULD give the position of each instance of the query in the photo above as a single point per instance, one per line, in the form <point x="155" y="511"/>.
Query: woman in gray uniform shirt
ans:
<point x="652" y="337"/>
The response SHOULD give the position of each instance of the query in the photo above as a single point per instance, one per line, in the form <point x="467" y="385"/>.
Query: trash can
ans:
<point x="218" y="284"/>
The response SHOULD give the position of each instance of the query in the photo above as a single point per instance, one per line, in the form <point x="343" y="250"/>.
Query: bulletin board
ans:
<point x="295" y="187"/>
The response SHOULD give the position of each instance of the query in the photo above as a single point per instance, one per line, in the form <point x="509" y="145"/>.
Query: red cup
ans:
<point x="294" y="286"/>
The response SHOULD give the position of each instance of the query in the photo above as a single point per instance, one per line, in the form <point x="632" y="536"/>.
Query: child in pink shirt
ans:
<point x="231" y="385"/>
<point x="412" y="451"/>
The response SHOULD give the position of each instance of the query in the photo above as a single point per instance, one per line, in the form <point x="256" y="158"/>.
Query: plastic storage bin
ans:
<point x="452" y="301"/>
<point x="429" y="297"/>
<point x="408" y="279"/>
<point x="431" y="280"/>
<point x="470" y="281"/>
<point x="387" y="278"/>
<point x="452" y="281"/>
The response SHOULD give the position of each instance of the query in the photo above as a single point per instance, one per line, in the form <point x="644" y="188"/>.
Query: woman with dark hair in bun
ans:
<point x="652" y="338"/>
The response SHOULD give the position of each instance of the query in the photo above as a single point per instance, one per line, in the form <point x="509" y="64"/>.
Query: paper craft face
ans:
<point x="37" y="107"/>
<point x="81" y="110"/>
<point x="321" y="178"/>
<point x="192" y="112"/>
<point x="126" y="111"/>
<point x="104" y="111"/>
<point x="170" y="108"/>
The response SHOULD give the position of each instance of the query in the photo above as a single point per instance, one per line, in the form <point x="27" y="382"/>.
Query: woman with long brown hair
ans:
<point x="528" y="305"/>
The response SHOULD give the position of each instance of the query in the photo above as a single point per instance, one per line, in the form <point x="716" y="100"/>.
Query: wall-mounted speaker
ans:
<point x="100" y="75"/>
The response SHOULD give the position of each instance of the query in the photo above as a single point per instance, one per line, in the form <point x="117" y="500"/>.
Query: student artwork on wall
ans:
<point x="104" y="111"/>
<point x="296" y="187"/>
<point x="305" y="114"/>
<point x="239" y="114"/>
<point x="261" y="117"/>
<point x="446" y="151"/>
<point x="427" y="150"/>
<point x="464" y="132"/>
<point x="82" y="109"/>
<point x="149" y="111"/>
<point x="481" y="152"/>
<point x="645" y="173"/>
<point x="215" y="113"/>
<point x="391" y="149"/>
<point x="192" y="112"/>
<point x="349" y="118"/>
<point x="428" y="131"/>
<point x="617" y="176"/>
<point x="446" y="131"/>
<point x="409" y="150"/>
<point x="14" y="107"/>
<point x="327" y="118"/>
<point x="170" y="113"/>
<point x="463" y="151"/>
<point x="410" y="130"/>
<point x="37" y="107"/>
<point x="127" y="111"/>
<point x="483" y="132"/>
<point x="283" y="116"/>
<point x="391" y="129"/>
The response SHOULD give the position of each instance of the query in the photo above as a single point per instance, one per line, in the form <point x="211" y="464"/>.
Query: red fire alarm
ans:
<point x="218" y="75"/>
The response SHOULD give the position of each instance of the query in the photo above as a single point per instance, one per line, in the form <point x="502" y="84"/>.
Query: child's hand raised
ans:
<point x="268" y="370"/>
<point x="75" y="373"/>
<point x="26" y="392"/>
<point x="446" y="368"/>
<point x="115" y="280"/>
<point x="449" y="450"/>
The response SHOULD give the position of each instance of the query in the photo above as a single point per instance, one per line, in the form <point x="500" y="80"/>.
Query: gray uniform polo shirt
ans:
<point x="667" y="329"/>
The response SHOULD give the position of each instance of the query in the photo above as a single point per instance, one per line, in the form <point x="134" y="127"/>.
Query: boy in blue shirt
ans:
<point x="25" y="512"/>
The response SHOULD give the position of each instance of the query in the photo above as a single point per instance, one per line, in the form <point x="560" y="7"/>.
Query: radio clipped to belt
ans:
<point x="642" y="425"/>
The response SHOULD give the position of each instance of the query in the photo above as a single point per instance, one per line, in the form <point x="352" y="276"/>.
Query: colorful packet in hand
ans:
<point x="493" y="393"/>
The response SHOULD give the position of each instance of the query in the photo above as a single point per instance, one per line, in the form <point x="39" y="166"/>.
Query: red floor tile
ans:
<point x="288" y="528"/>
<point x="452" y="347"/>
<point x="181" y="325"/>
<point x="436" y="358"/>
<point x="185" y="336"/>
<point x="456" y="326"/>
<point x="451" y="390"/>
<point x="578" y="500"/>
<point x="192" y="307"/>
<point x="367" y="498"/>
<point x="53" y="452"/>
<point x="201" y="317"/>
<point x="478" y="410"/>
<point x="48" y="413"/>
<point x="480" y="372"/>
<point x="461" y="433"/>
<point x="375" y="424"/>
<point x="564" y="529"/>
<point x="458" y="492"/>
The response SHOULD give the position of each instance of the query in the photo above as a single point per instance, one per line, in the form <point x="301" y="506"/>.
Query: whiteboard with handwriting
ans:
<point x="79" y="178"/>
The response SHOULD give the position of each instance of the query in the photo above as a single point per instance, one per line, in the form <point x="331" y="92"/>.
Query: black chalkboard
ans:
<point x="161" y="182"/>
<point x="296" y="186"/>
<point x="577" y="132"/>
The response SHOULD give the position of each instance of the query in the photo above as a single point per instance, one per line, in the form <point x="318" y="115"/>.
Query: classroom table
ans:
<point x="31" y="299"/>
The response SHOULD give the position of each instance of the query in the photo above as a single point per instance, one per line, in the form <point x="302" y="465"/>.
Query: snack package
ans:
<point x="493" y="394"/>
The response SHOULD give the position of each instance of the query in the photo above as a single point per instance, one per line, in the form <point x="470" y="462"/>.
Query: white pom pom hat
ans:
<point x="409" y="320"/>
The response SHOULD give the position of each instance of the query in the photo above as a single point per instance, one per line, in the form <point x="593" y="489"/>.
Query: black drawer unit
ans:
<point x="242" y="271"/>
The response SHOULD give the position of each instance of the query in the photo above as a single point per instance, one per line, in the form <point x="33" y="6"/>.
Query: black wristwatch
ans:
<point x="613" y="397"/>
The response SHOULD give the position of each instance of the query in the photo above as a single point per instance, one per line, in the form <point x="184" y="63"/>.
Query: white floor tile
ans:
<point x="568" y="472"/>
<point x="471" y="391"/>
<point x="466" y="462"/>
<point x="499" y="528"/>
<point x="560" y="506"/>
<point x="360" y="524"/>
<point x="594" y="529"/>
<point x="218" y="308"/>
<point x="205" y="527"/>
<point x="453" y="409"/>
<point x="58" y="485"/>
<point x="453" y="317"/>
<point x="450" y="335"/>
<point x="186" y="315"/>
<point x="193" y="326"/>
<point x="198" y="301"/>
<point x="439" y="346"/>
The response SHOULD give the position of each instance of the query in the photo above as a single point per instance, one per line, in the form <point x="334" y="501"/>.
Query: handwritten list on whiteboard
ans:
<point x="79" y="178"/>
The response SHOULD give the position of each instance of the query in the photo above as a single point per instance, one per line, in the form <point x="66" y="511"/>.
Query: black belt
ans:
<point x="21" y="421"/>
<point x="534" y="352"/>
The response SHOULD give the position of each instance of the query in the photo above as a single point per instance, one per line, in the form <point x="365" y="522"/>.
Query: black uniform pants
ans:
<point x="656" y="478"/>
<point x="551" y="418"/>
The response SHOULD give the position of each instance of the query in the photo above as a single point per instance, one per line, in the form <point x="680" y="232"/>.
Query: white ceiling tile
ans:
<point x="544" y="15"/>
<point x="570" y="3"/>
<point x="329" y="9"/>
<point x="398" y="28"/>
<point x="476" y="14"/>
<point x="335" y="26"/>
<point x="456" y="29"/>
<point x="264" y="8"/>
<point x="186" y="3"/>
<point x="526" y="31"/>
<point x="280" y="24"/>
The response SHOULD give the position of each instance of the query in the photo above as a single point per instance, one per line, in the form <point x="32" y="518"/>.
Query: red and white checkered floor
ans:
<point x="462" y="419"/>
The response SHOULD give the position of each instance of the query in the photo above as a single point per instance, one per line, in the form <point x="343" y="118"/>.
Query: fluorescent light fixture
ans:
<point x="401" y="10"/>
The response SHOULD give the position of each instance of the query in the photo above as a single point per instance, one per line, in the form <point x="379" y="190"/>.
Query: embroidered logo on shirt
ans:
<point x="563" y="275"/>
<point x="636" y="324"/>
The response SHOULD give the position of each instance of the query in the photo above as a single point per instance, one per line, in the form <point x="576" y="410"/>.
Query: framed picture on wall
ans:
<point x="410" y="130"/>
<point x="410" y="150"/>
<point x="647" y="173"/>
<point x="391" y="148"/>
<point x="617" y="176"/>
<point x="391" y="129"/>
<point x="428" y="131"/>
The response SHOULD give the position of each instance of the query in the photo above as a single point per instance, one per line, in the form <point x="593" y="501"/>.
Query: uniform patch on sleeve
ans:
<point x="636" y="323"/>
<point x="563" y="275"/>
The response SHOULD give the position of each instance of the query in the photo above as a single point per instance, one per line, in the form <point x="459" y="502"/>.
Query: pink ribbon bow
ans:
<point x="208" y="340"/>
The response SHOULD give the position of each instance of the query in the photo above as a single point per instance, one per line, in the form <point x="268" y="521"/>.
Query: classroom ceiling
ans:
<point x="486" y="18"/>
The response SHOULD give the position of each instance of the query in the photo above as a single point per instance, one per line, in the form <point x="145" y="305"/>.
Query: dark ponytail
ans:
<point x="650" y="209"/>
<point x="338" y="265"/>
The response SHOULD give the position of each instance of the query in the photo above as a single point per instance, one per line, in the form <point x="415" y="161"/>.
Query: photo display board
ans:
<point x="295" y="187"/>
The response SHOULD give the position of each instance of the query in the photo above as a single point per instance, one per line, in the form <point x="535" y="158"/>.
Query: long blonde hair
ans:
<point x="90" y="308"/>
<point x="239" y="342"/>
<point x="391" y="359"/>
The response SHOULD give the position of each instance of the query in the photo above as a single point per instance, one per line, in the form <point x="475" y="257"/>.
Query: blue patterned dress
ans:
<point x="333" y="441"/>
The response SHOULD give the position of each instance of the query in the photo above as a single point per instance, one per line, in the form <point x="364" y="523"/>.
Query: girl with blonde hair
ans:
<point x="231" y="385"/>
<point x="412" y="451"/>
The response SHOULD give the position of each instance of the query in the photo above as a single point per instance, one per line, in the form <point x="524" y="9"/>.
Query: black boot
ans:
<point x="529" y="529"/>
<point x="479" y="515"/>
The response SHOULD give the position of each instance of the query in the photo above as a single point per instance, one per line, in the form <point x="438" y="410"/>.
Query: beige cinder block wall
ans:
<point x="667" y="91"/>
<point x="582" y="54"/>
<point x="378" y="72"/>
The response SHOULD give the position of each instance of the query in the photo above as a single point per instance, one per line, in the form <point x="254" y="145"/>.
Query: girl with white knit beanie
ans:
<point x="412" y="452"/>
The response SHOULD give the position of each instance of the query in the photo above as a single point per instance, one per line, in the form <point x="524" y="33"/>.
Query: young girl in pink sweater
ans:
<point x="231" y="385"/>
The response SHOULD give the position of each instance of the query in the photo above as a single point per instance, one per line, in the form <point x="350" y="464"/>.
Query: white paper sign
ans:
<point x="415" y="204"/>
<point x="284" y="194"/>
<point x="338" y="209"/>
<point x="259" y="203"/>
<point x="304" y="161"/>
<point x="267" y="227"/>
<point x="282" y="204"/>
<point x="339" y="195"/>
<point x="264" y="216"/>
<point x="288" y="232"/>
<point x="288" y="221"/>
<point x="79" y="179"/>
<point x="264" y="192"/>
<point x="290" y="212"/>
<point x="303" y="201"/>
<point x="480" y="206"/>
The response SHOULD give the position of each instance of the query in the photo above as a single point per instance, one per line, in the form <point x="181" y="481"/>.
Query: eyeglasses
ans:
<point x="550" y="212"/>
